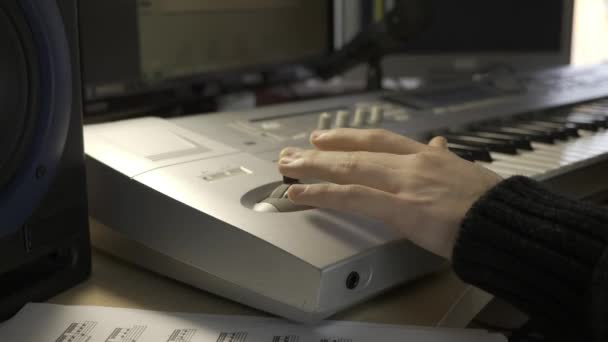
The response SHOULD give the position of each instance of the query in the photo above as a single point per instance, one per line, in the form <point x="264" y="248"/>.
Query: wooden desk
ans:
<point x="437" y="300"/>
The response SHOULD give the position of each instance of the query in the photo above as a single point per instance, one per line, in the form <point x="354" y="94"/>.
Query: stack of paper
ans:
<point x="55" y="323"/>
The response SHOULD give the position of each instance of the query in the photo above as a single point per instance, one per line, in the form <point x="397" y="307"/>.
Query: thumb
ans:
<point x="439" y="142"/>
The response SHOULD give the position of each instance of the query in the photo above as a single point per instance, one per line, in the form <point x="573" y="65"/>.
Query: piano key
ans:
<point x="504" y="166"/>
<point x="530" y="135"/>
<point x="584" y="124"/>
<point x="599" y="139"/>
<point x="562" y="139"/>
<point x="499" y="171"/>
<point x="566" y="158"/>
<point x="557" y="155"/>
<point x="464" y="154"/>
<point x="600" y="119"/>
<point x="569" y="129"/>
<point x="532" y="159"/>
<point x="502" y="170"/>
<point x="490" y="144"/>
<point x="521" y="162"/>
<point x="593" y="109"/>
<point x="547" y="157"/>
<point x="584" y="133"/>
<point x="589" y="144"/>
<point x="556" y="133"/>
<point x="586" y="147"/>
<point x="519" y="142"/>
<point x="569" y="152"/>
<point x="551" y="162"/>
<point x="578" y="147"/>
<point x="514" y="169"/>
<point x="552" y="132"/>
<point x="480" y="154"/>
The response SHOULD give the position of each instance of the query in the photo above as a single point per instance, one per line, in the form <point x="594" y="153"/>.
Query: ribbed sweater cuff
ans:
<point x="534" y="248"/>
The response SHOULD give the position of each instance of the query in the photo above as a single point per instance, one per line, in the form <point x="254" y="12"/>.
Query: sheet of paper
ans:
<point x="56" y="323"/>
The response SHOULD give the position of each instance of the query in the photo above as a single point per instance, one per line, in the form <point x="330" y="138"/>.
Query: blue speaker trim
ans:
<point x="24" y="193"/>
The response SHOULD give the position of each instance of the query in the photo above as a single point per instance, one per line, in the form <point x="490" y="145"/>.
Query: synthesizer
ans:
<point x="180" y="196"/>
<point x="549" y="129"/>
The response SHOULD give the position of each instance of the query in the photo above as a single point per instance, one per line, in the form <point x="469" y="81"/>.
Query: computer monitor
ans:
<point x="161" y="49"/>
<point x="133" y="47"/>
<point x="469" y="35"/>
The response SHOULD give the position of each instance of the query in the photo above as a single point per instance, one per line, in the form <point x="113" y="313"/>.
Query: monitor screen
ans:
<point x="473" y="34"/>
<point x="134" y="46"/>
<point x="491" y="26"/>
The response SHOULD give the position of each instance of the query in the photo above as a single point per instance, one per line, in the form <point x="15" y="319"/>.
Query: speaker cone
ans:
<point x="16" y="109"/>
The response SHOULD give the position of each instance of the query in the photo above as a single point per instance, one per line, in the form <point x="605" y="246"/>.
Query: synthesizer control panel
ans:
<point x="417" y="114"/>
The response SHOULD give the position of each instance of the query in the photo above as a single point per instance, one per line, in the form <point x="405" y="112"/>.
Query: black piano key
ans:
<point x="567" y="128"/>
<point x="490" y="144"/>
<point x="530" y="135"/>
<point x="598" y="110"/>
<point x="478" y="154"/>
<point x="601" y="120"/>
<point x="555" y="133"/>
<point x="464" y="154"/>
<point x="519" y="142"/>
<point x="526" y="124"/>
<point x="587" y="125"/>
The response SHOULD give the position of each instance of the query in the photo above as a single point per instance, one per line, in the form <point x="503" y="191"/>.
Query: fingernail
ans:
<point x="289" y="151"/>
<point x="317" y="134"/>
<point x="296" y="189"/>
<point x="443" y="141"/>
<point x="287" y="160"/>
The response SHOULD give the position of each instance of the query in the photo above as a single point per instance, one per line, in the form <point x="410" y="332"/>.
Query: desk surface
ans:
<point x="437" y="300"/>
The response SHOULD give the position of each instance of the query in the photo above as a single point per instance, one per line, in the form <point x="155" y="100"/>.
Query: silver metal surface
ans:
<point x="187" y="189"/>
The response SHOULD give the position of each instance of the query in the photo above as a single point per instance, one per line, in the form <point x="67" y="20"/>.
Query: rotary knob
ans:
<point x="324" y="121"/>
<point x="376" y="116"/>
<point x="359" y="119"/>
<point x="342" y="118"/>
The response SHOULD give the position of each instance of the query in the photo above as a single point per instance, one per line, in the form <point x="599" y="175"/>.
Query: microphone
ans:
<point x="406" y="20"/>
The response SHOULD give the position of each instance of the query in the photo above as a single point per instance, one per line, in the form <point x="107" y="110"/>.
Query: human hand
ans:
<point x="423" y="190"/>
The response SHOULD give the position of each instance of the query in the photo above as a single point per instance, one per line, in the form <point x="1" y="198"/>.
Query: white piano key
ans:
<point x="520" y="161"/>
<point x="547" y="157"/>
<point x="567" y="157"/>
<point x="580" y="147"/>
<point x="525" y="170"/>
<point x="574" y="150"/>
<point x="496" y="169"/>
<point x="510" y="168"/>
<point x="584" y="133"/>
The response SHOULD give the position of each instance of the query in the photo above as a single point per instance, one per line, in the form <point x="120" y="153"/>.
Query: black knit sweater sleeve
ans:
<point x="542" y="252"/>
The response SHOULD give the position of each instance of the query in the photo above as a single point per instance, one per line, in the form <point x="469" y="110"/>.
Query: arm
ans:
<point x="544" y="253"/>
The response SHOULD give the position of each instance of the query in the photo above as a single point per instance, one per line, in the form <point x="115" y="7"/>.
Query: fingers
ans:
<point x="390" y="161"/>
<point x="349" y="198"/>
<point x="364" y="168"/>
<point x="372" y="140"/>
<point x="289" y="151"/>
<point x="439" y="142"/>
